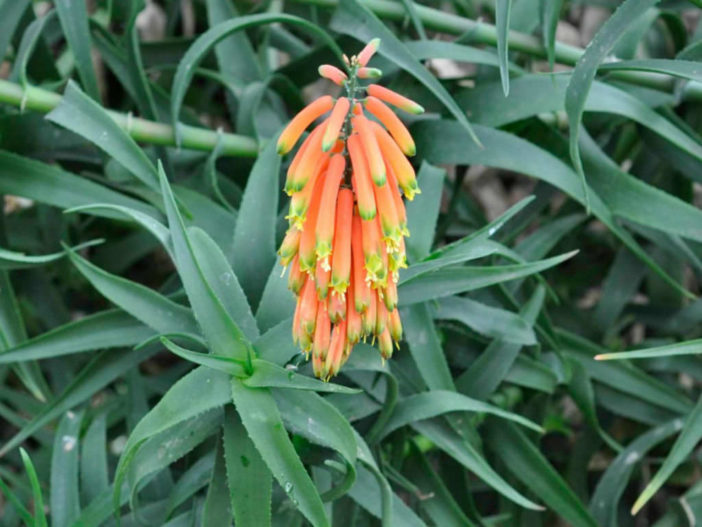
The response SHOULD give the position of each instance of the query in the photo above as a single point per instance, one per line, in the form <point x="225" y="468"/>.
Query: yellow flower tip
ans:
<point x="410" y="149"/>
<point x="283" y="147"/>
<point x="369" y="73"/>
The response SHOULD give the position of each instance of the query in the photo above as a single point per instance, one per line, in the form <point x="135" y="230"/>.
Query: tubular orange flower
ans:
<point x="327" y="209"/>
<point x="360" y="179"/>
<point x="398" y="130"/>
<point x="345" y="245"/>
<point x="341" y="257"/>
<point x="370" y="146"/>
<point x="335" y="122"/>
<point x="288" y="249"/>
<point x="308" y="238"/>
<point x="369" y="73"/>
<point x="402" y="168"/>
<point x="332" y="73"/>
<point x="322" y="275"/>
<point x="301" y="121"/>
<point x="296" y="278"/>
<point x="310" y="159"/>
<point x="337" y="307"/>
<point x="322" y="332"/>
<point x="367" y="52"/>
<point x="353" y="318"/>
<point x="394" y="98"/>
<point x="362" y="290"/>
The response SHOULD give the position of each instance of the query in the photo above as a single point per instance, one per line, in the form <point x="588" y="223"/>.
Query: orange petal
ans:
<point x="391" y="97"/>
<point x="332" y="73"/>
<point x="390" y="295"/>
<point x="387" y="215"/>
<point x="376" y="272"/>
<point x="296" y="323"/>
<point x="341" y="256"/>
<point x="398" y="130"/>
<point x="322" y="332"/>
<point x="327" y="208"/>
<point x="370" y="147"/>
<point x="337" y="307"/>
<point x="402" y="168"/>
<point x="385" y="344"/>
<point x="289" y="246"/>
<point x="368" y="51"/>
<point x="360" y="179"/>
<point x="301" y="121"/>
<point x="381" y="319"/>
<point x="335" y="122"/>
<point x="362" y="290"/>
<point x="397" y="198"/>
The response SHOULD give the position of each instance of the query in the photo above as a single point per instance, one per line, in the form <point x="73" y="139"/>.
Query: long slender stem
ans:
<point x="484" y="33"/>
<point x="152" y="132"/>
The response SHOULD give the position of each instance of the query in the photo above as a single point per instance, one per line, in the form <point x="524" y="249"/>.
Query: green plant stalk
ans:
<point x="484" y="33"/>
<point x="139" y="129"/>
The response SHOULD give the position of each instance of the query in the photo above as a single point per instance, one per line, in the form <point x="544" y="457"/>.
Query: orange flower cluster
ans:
<point x="345" y="244"/>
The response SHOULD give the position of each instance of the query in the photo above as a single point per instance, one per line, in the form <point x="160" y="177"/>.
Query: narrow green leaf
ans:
<point x="502" y="15"/>
<point x="551" y="12"/>
<point x="688" y="439"/>
<point x="269" y="375"/>
<point x="217" y="509"/>
<point x="223" y="335"/>
<point x="94" y="476"/>
<point x="277" y="303"/>
<point x="691" y="347"/>
<point x="79" y="114"/>
<point x="423" y="211"/>
<point x="586" y="68"/>
<point x="528" y="465"/>
<point x="39" y="514"/>
<point x="263" y="423"/>
<point x="65" y="501"/>
<point x="11" y="14"/>
<point x="685" y="69"/>
<point x="254" y="235"/>
<point x="73" y="15"/>
<point x="424" y="345"/>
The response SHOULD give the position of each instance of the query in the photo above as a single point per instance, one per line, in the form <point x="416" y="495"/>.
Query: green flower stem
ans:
<point x="143" y="130"/>
<point x="485" y="33"/>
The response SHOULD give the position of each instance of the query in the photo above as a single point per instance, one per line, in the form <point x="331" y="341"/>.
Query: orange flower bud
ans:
<point x="370" y="147"/>
<point x="368" y="51"/>
<point x="318" y="366"/>
<point x="369" y="316"/>
<point x="308" y="238"/>
<point x="369" y="73"/>
<point x="381" y="317"/>
<point x="353" y="318"/>
<point x="336" y="351"/>
<point x="402" y="168"/>
<point x="398" y="130"/>
<point x="296" y="278"/>
<point x="300" y="201"/>
<point x="335" y="122"/>
<point x="390" y="295"/>
<point x="308" y="308"/>
<point x="332" y="73"/>
<point x="360" y="179"/>
<point x="341" y="257"/>
<point x="288" y="248"/>
<point x="327" y="209"/>
<point x="337" y="307"/>
<point x="322" y="332"/>
<point x="395" y="325"/>
<point x="297" y="180"/>
<point x="393" y="98"/>
<point x="321" y="279"/>
<point x="301" y="121"/>
<point x="387" y="215"/>
<point x="296" y="162"/>
<point x="399" y="204"/>
<point x="385" y="344"/>
<point x="296" y="323"/>
<point x="361" y="287"/>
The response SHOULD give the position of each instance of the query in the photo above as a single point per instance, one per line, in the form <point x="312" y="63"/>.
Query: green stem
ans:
<point x="484" y="33"/>
<point x="195" y="138"/>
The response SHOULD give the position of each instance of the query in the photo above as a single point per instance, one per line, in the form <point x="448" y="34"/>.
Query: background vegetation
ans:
<point x="143" y="206"/>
